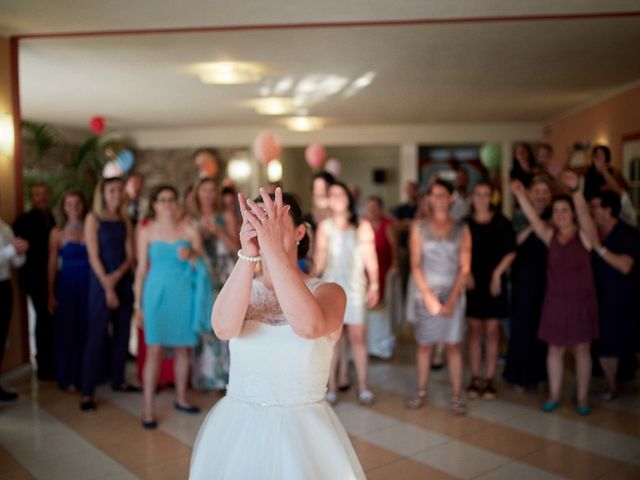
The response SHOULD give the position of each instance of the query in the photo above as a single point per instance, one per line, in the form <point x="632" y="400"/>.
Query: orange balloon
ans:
<point x="267" y="147"/>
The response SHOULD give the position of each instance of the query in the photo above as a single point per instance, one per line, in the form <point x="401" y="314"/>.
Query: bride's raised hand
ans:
<point x="269" y="219"/>
<point x="248" y="233"/>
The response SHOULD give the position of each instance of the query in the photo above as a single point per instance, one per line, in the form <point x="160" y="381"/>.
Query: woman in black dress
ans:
<point x="617" y="274"/>
<point x="493" y="250"/>
<point x="526" y="355"/>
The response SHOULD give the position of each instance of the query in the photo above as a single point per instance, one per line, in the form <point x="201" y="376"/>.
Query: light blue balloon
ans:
<point x="125" y="159"/>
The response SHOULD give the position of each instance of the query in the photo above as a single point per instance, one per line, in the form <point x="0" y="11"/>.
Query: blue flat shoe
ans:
<point x="583" y="410"/>
<point x="549" y="407"/>
<point x="192" y="410"/>
<point x="150" y="425"/>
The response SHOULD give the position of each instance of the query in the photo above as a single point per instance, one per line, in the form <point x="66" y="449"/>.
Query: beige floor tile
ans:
<point x="462" y="460"/>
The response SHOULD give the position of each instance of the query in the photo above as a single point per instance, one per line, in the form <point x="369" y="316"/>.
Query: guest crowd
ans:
<point x="562" y="275"/>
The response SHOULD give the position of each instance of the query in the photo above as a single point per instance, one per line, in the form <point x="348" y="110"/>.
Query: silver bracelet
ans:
<point x="602" y="250"/>
<point x="247" y="258"/>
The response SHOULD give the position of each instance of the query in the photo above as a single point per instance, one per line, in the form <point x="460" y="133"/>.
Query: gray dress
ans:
<point x="440" y="258"/>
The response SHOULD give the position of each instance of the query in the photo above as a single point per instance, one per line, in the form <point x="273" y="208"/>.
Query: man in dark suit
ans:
<point x="34" y="226"/>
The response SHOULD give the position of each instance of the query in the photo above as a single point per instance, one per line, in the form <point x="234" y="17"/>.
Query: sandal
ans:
<point x="366" y="398"/>
<point x="489" y="392"/>
<point x="331" y="398"/>
<point x="608" y="396"/>
<point x="418" y="401"/>
<point x="475" y="388"/>
<point x="457" y="406"/>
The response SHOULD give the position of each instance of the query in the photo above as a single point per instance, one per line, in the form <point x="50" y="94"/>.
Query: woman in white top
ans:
<point x="12" y="254"/>
<point x="345" y="250"/>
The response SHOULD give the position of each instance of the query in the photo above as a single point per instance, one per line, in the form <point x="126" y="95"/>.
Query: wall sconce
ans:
<point x="6" y="134"/>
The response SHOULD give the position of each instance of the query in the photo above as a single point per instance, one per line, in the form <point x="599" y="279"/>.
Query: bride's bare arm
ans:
<point x="230" y="307"/>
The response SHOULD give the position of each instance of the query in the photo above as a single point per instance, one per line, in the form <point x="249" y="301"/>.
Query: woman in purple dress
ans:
<point x="570" y="310"/>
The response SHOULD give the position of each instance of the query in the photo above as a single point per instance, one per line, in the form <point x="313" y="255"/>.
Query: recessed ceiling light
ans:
<point x="304" y="124"/>
<point x="274" y="105"/>
<point x="229" y="73"/>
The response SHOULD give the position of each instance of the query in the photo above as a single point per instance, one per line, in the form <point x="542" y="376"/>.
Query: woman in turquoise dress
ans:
<point x="173" y="296"/>
<point x="219" y="230"/>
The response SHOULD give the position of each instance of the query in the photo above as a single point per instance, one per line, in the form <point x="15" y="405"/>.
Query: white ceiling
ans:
<point x="458" y="71"/>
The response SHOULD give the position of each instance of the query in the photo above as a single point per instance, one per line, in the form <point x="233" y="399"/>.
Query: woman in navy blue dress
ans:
<point x="109" y="239"/>
<point x="68" y="289"/>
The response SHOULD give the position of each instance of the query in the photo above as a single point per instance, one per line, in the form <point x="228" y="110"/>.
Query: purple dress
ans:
<point x="570" y="310"/>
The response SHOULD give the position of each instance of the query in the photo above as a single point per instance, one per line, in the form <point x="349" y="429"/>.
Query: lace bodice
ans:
<point x="264" y="306"/>
<point x="270" y="363"/>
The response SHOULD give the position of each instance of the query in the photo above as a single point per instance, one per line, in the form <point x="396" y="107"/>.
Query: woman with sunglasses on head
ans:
<point x="109" y="238"/>
<point x="171" y="287"/>
<point x="282" y="325"/>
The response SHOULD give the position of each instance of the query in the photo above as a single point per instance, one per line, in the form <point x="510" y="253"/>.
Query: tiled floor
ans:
<point x="45" y="436"/>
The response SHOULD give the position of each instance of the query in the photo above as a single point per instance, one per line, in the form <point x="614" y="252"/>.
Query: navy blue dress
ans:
<point x="70" y="318"/>
<point x="99" y="345"/>
<point x="618" y="295"/>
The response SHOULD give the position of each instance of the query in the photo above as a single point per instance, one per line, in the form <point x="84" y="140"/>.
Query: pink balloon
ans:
<point x="334" y="167"/>
<point x="315" y="155"/>
<point x="267" y="147"/>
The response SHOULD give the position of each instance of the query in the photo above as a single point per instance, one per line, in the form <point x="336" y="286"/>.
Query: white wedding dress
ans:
<point x="273" y="422"/>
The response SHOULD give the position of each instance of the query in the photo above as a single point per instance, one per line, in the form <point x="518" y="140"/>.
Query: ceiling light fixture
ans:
<point x="304" y="124"/>
<point x="229" y="73"/>
<point x="274" y="105"/>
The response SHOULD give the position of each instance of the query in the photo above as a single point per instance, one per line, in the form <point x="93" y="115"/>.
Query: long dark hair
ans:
<point x="353" y="216"/>
<point x="298" y="219"/>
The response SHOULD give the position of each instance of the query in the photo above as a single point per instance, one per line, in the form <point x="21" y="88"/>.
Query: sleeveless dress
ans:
<point x="345" y="266"/>
<point x="490" y="242"/>
<point x="108" y="330"/>
<point x="176" y="297"/>
<point x="70" y="318"/>
<point x="274" y="422"/>
<point x="210" y="362"/>
<point x="570" y="310"/>
<point x="440" y="259"/>
<point x="526" y="355"/>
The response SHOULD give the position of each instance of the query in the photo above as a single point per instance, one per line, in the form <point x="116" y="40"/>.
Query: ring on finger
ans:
<point x="263" y="219"/>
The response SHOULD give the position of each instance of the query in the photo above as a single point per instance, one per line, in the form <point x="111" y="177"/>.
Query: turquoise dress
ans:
<point x="176" y="297"/>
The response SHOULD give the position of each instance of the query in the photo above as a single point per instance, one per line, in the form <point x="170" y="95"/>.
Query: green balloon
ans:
<point x="491" y="156"/>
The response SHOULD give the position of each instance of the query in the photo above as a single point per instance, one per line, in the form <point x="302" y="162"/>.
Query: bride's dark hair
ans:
<point x="296" y="215"/>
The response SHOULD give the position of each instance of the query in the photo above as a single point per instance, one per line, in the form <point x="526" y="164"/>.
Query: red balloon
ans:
<point x="315" y="155"/>
<point x="267" y="147"/>
<point x="96" y="124"/>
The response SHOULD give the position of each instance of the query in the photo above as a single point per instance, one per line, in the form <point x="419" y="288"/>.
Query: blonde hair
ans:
<point x="99" y="207"/>
<point x="196" y="197"/>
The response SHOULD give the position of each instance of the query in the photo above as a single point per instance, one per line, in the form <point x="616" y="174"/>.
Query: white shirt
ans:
<point x="8" y="255"/>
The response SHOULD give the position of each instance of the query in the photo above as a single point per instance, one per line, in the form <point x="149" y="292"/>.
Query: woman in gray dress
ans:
<point x="440" y="252"/>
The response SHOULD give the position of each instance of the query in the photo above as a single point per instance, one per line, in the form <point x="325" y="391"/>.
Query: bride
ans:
<point x="273" y="422"/>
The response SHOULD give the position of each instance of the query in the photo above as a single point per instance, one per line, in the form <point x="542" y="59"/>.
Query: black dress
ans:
<point x="490" y="242"/>
<point x="526" y="354"/>
<point x="618" y="294"/>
